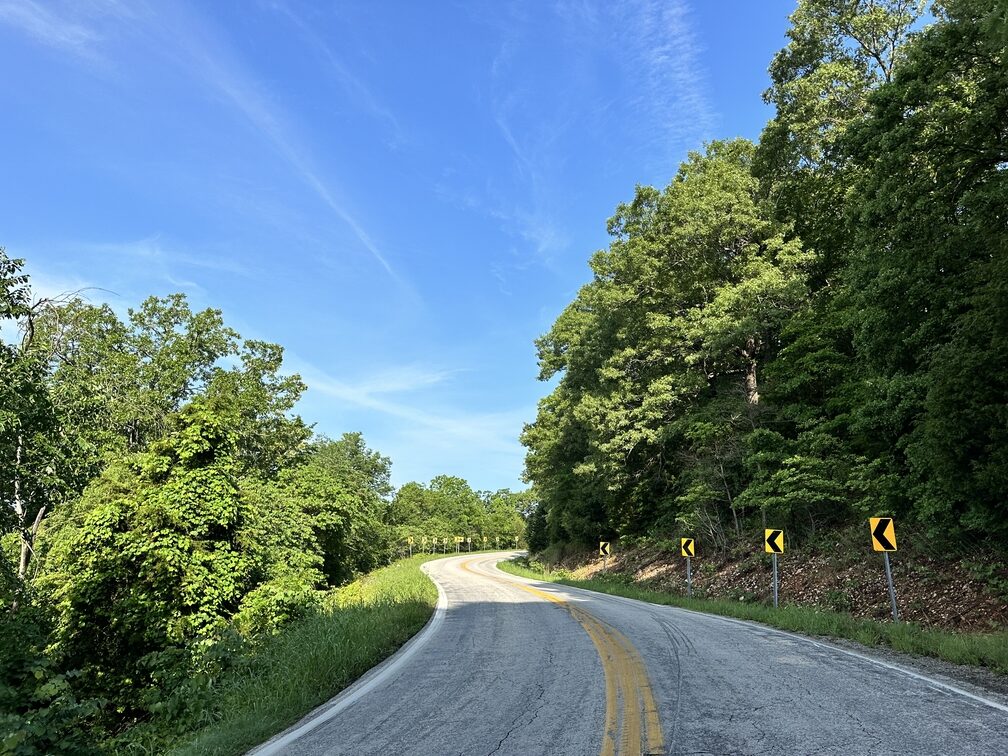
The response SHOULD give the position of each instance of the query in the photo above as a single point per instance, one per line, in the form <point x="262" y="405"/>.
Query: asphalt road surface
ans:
<point x="514" y="666"/>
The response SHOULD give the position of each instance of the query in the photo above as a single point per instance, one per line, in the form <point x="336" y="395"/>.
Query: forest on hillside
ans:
<point x="165" y="509"/>
<point x="811" y="329"/>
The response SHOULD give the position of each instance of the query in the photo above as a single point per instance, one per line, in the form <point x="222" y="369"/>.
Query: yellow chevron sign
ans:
<point x="603" y="549"/>
<point x="773" y="541"/>
<point x="688" y="546"/>
<point x="883" y="533"/>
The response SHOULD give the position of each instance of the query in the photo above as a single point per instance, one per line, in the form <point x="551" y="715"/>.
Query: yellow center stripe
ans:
<point x="626" y="680"/>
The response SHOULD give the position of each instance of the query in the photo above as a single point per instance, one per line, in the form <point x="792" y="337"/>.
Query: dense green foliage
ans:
<point x="449" y="508"/>
<point x="809" y="329"/>
<point x="165" y="515"/>
<point x="271" y="684"/>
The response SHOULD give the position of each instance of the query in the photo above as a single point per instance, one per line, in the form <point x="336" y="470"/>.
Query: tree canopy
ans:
<point x="806" y="329"/>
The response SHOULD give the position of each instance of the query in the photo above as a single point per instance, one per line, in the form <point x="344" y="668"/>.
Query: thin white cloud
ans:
<point x="47" y="25"/>
<point x="663" y="55"/>
<point x="405" y="379"/>
<point x="352" y="85"/>
<point x="665" y="108"/>
<point x="495" y="432"/>
<point x="154" y="251"/>
<point x="210" y="65"/>
<point x="207" y="59"/>
<point x="121" y="265"/>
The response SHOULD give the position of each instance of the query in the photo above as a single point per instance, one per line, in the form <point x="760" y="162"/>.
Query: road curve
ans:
<point x="514" y="666"/>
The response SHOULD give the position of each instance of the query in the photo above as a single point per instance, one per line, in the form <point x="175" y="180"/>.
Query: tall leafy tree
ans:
<point x="156" y="560"/>
<point x="930" y="235"/>
<point x="31" y="456"/>
<point x="342" y="486"/>
<point x="838" y="52"/>
<point x="661" y="353"/>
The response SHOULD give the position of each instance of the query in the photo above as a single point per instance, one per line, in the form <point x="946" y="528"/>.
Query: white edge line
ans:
<point x="376" y="676"/>
<point x="757" y="625"/>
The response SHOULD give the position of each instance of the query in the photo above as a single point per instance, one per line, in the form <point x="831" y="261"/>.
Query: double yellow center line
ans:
<point x="631" y="713"/>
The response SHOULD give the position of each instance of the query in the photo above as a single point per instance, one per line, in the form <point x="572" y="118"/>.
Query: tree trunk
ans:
<point x="731" y="501"/>
<point x="28" y="544"/>
<point x="751" y="386"/>
<point x="19" y="509"/>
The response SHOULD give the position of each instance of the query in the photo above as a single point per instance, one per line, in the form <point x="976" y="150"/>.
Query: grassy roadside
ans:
<point x="984" y="650"/>
<point x="314" y="659"/>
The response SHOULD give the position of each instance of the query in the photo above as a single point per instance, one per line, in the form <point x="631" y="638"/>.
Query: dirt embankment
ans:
<point x="964" y="592"/>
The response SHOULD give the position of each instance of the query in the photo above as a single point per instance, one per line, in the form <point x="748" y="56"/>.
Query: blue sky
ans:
<point x="402" y="194"/>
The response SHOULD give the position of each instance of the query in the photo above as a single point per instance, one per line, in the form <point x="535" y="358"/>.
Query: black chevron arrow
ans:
<point x="688" y="546"/>
<point x="772" y="541"/>
<point x="879" y="533"/>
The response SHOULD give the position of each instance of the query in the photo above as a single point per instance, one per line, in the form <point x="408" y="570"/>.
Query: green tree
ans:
<point x="342" y="486"/>
<point x="31" y="456"/>
<point x="838" y="52"/>
<point x="156" y="559"/>
<point x="661" y="354"/>
<point x="927" y="277"/>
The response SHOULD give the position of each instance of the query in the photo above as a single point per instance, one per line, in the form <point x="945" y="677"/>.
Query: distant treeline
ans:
<point x="809" y="329"/>
<point x="163" y="508"/>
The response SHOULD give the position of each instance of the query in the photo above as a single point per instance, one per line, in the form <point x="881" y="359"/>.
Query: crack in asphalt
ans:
<point x="515" y="722"/>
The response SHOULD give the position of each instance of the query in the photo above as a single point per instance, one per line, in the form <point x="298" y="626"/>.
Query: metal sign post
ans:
<point x="883" y="535"/>
<point x="773" y="544"/>
<point x="687" y="547"/>
<point x="604" y="551"/>
<point x="892" y="590"/>
<point x="775" y="580"/>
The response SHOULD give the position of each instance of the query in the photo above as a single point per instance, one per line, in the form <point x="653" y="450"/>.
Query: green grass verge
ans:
<point x="314" y="659"/>
<point x="984" y="650"/>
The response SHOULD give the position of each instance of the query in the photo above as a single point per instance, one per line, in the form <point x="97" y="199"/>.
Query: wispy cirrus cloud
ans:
<point x="153" y="250"/>
<point x="491" y="433"/>
<point x="189" y="41"/>
<point x="217" y="67"/>
<point x="353" y="86"/>
<point x="629" y="72"/>
<point x="663" y="52"/>
<point x="128" y="267"/>
<point x="48" y="26"/>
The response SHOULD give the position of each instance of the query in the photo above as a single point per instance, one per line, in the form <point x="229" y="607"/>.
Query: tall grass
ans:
<point x="976" y="649"/>
<point x="309" y="662"/>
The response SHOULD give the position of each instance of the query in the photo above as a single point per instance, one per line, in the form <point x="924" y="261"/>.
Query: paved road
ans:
<point x="512" y="666"/>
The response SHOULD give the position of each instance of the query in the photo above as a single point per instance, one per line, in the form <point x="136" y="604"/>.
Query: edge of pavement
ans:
<point x="370" y="680"/>
<point x="980" y="694"/>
